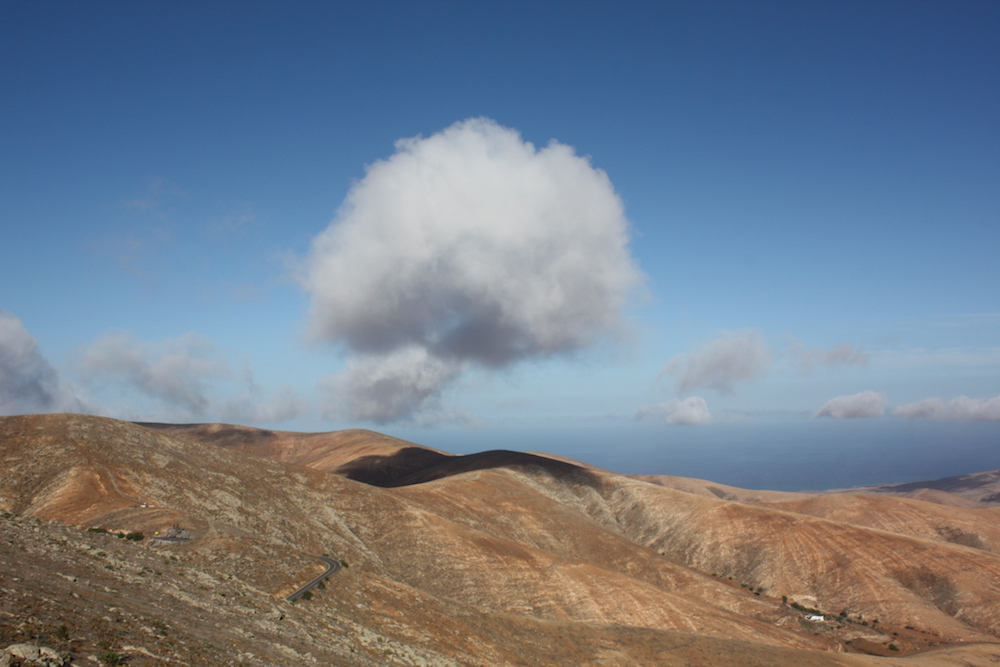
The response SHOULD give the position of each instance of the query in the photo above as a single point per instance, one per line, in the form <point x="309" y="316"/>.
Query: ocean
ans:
<point x="798" y="455"/>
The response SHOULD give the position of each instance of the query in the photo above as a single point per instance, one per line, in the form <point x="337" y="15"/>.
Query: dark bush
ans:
<point x="111" y="658"/>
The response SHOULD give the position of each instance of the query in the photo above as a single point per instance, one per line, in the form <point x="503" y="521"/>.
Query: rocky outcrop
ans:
<point x="31" y="654"/>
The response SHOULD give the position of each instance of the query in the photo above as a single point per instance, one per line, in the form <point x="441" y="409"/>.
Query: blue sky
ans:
<point x="796" y="231"/>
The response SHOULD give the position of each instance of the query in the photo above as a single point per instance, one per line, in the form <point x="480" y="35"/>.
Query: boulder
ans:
<point x="30" y="654"/>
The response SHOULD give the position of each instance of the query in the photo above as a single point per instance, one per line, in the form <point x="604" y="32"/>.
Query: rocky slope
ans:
<point x="500" y="558"/>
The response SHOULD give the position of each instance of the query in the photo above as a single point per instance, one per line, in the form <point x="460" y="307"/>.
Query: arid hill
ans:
<point x="499" y="558"/>
<point x="973" y="490"/>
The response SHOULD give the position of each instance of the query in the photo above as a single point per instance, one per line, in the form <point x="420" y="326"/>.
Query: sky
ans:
<point x="662" y="237"/>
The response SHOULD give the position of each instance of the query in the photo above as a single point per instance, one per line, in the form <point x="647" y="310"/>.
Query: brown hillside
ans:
<point x="980" y="488"/>
<point x="837" y="564"/>
<point x="971" y="527"/>
<point x="493" y="559"/>
<point x="322" y="451"/>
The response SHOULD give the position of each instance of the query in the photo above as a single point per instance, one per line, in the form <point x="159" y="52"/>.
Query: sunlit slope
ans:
<point x="900" y="561"/>
<point x="322" y="451"/>
<point x="96" y="471"/>
<point x="496" y="558"/>
<point x="977" y="527"/>
<point x="830" y="565"/>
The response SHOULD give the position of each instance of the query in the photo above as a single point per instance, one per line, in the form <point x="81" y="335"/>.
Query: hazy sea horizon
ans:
<point x="795" y="456"/>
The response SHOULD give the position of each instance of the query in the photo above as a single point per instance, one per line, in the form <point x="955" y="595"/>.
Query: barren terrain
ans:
<point x="498" y="558"/>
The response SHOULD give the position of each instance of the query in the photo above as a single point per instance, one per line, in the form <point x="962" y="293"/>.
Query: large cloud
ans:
<point x="691" y="411"/>
<point x="469" y="247"/>
<point x="865" y="405"/>
<point x="962" y="408"/>
<point x="734" y="356"/>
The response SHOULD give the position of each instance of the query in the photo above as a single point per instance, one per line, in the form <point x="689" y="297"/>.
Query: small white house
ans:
<point x="815" y="618"/>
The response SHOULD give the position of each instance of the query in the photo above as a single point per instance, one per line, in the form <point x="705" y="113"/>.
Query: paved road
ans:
<point x="332" y="566"/>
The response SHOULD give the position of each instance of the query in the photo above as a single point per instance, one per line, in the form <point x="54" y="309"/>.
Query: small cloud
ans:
<point x="865" y="405"/>
<point x="961" y="408"/>
<point x="691" y="411"/>
<point x="734" y="356"/>
<point x="845" y="354"/>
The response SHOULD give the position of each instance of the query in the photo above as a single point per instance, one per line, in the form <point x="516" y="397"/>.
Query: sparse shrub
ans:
<point x="784" y="599"/>
<point x="307" y="596"/>
<point x="843" y="613"/>
<point x="111" y="658"/>
<point x="97" y="530"/>
<point x="893" y="647"/>
<point x="134" y="536"/>
<point x="62" y="632"/>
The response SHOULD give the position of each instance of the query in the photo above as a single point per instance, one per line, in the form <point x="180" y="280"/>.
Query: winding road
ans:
<point x="332" y="566"/>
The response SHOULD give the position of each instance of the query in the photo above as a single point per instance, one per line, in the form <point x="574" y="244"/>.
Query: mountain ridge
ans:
<point x="511" y="540"/>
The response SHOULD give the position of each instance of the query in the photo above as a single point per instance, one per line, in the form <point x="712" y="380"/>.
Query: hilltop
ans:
<point x="497" y="558"/>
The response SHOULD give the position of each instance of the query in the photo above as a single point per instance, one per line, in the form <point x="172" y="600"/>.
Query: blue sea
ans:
<point x="793" y="456"/>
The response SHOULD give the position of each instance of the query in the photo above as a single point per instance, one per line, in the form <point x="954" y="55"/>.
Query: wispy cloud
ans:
<point x="845" y="354"/>
<point x="231" y="223"/>
<point x="469" y="247"/>
<point x="180" y="378"/>
<point x="733" y="357"/>
<point x="865" y="405"/>
<point x="254" y="407"/>
<point x="691" y="411"/>
<point x="173" y="371"/>
<point x="961" y="408"/>
<point x="965" y="320"/>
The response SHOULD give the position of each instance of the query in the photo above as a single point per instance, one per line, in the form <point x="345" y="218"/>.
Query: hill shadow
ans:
<point x="416" y="465"/>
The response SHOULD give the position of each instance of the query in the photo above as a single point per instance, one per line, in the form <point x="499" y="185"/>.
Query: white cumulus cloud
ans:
<point x="961" y="408"/>
<point x="468" y="247"/>
<point x="734" y="356"/>
<point x="865" y="405"/>
<point x="691" y="411"/>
